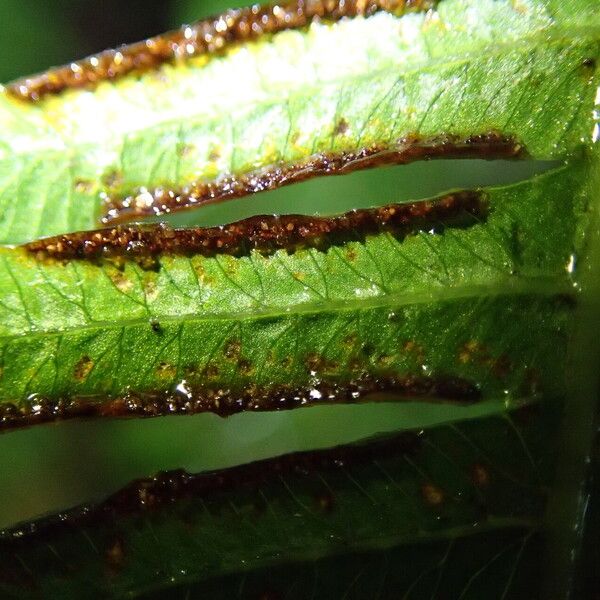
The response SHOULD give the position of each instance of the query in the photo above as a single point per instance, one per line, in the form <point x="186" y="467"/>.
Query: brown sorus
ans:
<point x="146" y="495"/>
<point x="264" y="233"/>
<point x="151" y="202"/>
<point x="199" y="399"/>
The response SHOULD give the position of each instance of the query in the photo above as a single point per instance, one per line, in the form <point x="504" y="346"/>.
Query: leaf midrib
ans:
<point x="549" y="286"/>
<point x="363" y="545"/>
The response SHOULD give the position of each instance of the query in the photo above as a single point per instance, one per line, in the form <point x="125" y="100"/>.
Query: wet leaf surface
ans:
<point x="325" y="92"/>
<point x="444" y="311"/>
<point x="476" y="296"/>
<point x="448" y="482"/>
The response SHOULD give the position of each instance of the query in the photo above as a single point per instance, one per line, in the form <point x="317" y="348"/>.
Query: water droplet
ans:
<point x="144" y="199"/>
<point x="571" y="264"/>
<point x="35" y="403"/>
<point x="183" y="389"/>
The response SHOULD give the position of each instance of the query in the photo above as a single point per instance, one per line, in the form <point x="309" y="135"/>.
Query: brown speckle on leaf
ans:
<point x="150" y="290"/>
<point x="325" y="502"/>
<point x="314" y="362"/>
<point x="166" y="370"/>
<point x="341" y="127"/>
<point x="156" y="326"/>
<point x="351" y="254"/>
<point x="409" y="346"/>
<point x="589" y="64"/>
<point x="351" y="340"/>
<point x="500" y="366"/>
<point x="416" y="350"/>
<point x="115" y="555"/>
<point x="232" y="349"/>
<point x="215" y="154"/>
<point x="185" y="150"/>
<point x="200" y="271"/>
<point x="212" y="371"/>
<point x="473" y="351"/>
<point x="245" y="367"/>
<point x="83" y="368"/>
<point x="112" y="179"/>
<point x="83" y="186"/>
<point x="480" y="475"/>
<point x="432" y="494"/>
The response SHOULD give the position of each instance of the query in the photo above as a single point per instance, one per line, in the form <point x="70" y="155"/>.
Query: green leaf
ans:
<point x="459" y="310"/>
<point x="475" y="297"/>
<point x="397" y="85"/>
<point x="471" y="567"/>
<point x="444" y="484"/>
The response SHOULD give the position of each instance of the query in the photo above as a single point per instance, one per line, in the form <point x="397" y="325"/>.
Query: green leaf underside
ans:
<point x="503" y="564"/>
<point x="446" y="483"/>
<point x="328" y="89"/>
<point x="480" y="303"/>
<point x="489" y="304"/>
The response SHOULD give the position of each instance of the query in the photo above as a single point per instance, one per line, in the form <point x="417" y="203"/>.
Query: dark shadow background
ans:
<point x="35" y="35"/>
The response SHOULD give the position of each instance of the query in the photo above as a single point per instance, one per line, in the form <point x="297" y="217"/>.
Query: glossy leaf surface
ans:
<point x="333" y="89"/>
<point x="447" y="483"/>
<point x="478" y="302"/>
<point x="477" y="296"/>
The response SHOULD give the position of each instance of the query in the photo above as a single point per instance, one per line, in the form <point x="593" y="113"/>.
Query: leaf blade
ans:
<point x="346" y="319"/>
<point x="117" y="142"/>
<point x="176" y="527"/>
